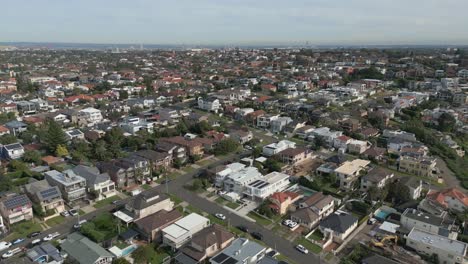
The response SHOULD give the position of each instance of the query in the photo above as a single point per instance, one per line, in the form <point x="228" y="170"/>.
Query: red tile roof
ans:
<point x="439" y="196"/>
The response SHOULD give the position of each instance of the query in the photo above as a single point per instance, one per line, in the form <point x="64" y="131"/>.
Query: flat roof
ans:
<point x="123" y="216"/>
<point x="438" y="241"/>
<point x="175" y="231"/>
<point x="192" y="220"/>
<point x="349" y="167"/>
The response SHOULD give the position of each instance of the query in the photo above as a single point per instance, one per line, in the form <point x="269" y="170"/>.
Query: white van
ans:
<point x="4" y="245"/>
<point x="12" y="252"/>
<point x="78" y="225"/>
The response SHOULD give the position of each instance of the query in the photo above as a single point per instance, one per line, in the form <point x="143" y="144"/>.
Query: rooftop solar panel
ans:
<point x="16" y="201"/>
<point x="220" y="258"/>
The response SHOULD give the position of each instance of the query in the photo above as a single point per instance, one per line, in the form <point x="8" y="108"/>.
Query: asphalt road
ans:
<point x="175" y="187"/>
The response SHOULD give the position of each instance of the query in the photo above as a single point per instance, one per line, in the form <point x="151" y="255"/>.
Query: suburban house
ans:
<point x="98" y="183"/>
<point x="147" y="203"/>
<point x="238" y="181"/>
<point x="44" y="253"/>
<point x="313" y="209"/>
<point x="414" y="185"/>
<point x="48" y="197"/>
<point x="350" y="171"/>
<point x="126" y="172"/>
<point x="449" y="199"/>
<point x="16" y="127"/>
<point x="150" y="226"/>
<point x="176" y="152"/>
<point x="158" y="160"/>
<point x="448" y="250"/>
<point x="72" y="186"/>
<point x="90" y="116"/>
<point x="210" y="104"/>
<point x="241" y="136"/>
<point x="441" y="225"/>
<point x="193" y="148"/>
<point x="421" y="166"/>
<point x="182" y="231"/>
<point x="282" y="201"/>
<point x="357" y="146"/>
<point x="75" y="134"/>
<point x="241" y="250"/>
<point x="294" y="155"/>
<point x="205" y="244"/>
<point x="338" y="225"/>
<point x="15" y="208"/>
<point x="12" y="151"/>
<point x="261" y="188"/>
<point x="275" y="148"/>
<point x="376" y="177"/>
<point x="84" y="251"/>
<point x="304" y="132"/>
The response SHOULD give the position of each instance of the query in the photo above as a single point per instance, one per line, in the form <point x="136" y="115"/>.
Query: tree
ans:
<point x="143" y="254"/>
<point x="32" y="156"/>
<point x="226" y="146"/>
<point x="61" y="151"/>
<point x="100" y="150"/>
<point x="398" y="193"/>
<point x="446" y="122"/>
<point x="8" y="139"/>
<point x="272" y="165"/>
<point x="54" y="136"/>
<point x="123" y="95"/>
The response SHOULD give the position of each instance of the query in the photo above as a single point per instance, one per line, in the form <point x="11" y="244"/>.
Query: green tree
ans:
<point x="32" y="156"/>
<point x="398" y="193"/>
<point x="100" y="150"/>
<point x="123" y="95"/>
<point x="272" y="165"/>
<point x="8" y="139"/>
<point x="446" y="122"/>
<point x="226" y="146"/>
<point x="143" y="254"/>
<point x="61" y="151"/>
<point x="54" y="136"/>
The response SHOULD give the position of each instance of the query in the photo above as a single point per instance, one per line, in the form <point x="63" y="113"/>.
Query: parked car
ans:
<point x="371" y="221"/>
<point x="17" y="241"/>
<point x="292" y="224"/>
<point x="35" y="242"/>
<point x="65" y="213"/>
<point x="78" y="225"/>
<point x="4" y="245"/>
<point x="302" y="249"/>
<point x="49" y="237"/>
<point x="34" y="234"/>
<point x="243" y="229"/>
<point x="220" y="216"/>
<point x="73" y="212"/>
<point x="257" y="235"/>
<point x="286" y="222"/>
<point x="11" y="252"/>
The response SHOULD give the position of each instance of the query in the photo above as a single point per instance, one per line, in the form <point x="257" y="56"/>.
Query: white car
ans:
<point x="51" y="236"/>
<point x="4" y="245"/>
<point x="12" y="252"/>
<point x="65" y="213"/>
<point x="286" y="222"/>
<point x="302" y="249"/>
<point x="220" y="216"/>
<point x="35" y="242"/>
<point x="292" y="224"/>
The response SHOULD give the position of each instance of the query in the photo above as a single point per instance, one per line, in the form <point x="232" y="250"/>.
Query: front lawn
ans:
<point x="260" y="220"/>
<point x="309" y="245"/>
<point x="146" y="186"/>
<point x="106" y="201"/>
<point x="175" y="199"/>
<point x="316" y="235"/>
<point x="55" y="221"/>
<point x="232" y="205"/>
<point x="23" y="229"/>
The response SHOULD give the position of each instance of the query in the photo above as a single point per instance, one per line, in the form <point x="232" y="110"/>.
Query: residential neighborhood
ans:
<point x="257" y="156"/>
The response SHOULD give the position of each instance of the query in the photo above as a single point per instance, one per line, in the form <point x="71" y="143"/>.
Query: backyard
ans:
<point x="106" y="201"/>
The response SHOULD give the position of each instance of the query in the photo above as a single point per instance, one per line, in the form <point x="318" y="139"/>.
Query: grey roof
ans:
<point x="13" y="146"/>
<point x="91" y="174"/>
<point x="43" y="191"/>
<point x="45" y="249"/>
<point x="376" y="175"/>
<point x="437" y="241"/>
<point x="66" y="178"/>
<point x="339" y="222"/>
<point x="424" y="217"/>
<point x="270" y="260"/>
<point x="16" y="201"/>
<point x="83" y="250"/>
<point x="147" y="198"/>
<point x="239" y="250"/>
<point x="49" y="194"/>
<point x="15" y="124"/>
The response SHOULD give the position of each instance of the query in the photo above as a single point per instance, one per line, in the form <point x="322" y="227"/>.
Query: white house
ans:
<point x="209" y="104"/>
<point x="90" y="115"/>
<point x="181" y="232"/>
<point x="275" y="148"/>
<point x="266" y="186"/>
<point x="350" y="171"/>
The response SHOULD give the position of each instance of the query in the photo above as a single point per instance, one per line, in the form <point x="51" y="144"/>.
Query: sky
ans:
<point x="230" y="22"/>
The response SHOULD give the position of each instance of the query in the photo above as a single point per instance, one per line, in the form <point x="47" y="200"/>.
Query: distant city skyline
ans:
<point x="223" y="22"/>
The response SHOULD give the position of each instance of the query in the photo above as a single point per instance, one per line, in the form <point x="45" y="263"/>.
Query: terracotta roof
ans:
<point x="3" y="129"/>
<point x="281" y="197"/>
<point x="439" y="196"/>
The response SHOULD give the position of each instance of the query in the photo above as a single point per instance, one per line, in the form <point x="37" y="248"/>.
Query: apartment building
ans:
<point x="90" y="115"/>
<point x="448" y="250"/>
<point x="181" y="232"/>
<point x="441" y="225"/>
<point x="275" y="148"/>
<point x="72" y="186"/>
<point x="421" y="166"/>
<point x="350" y="171"/>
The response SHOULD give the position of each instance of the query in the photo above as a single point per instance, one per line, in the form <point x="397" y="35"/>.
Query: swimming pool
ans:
<point x="381" y="215"/>
<point x="128" y="250"/>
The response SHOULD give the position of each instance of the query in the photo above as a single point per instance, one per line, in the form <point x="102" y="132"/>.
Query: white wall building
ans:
<point x="275" y="148"/>
<point x="91" y="115"/>
<point x="266" y="186"/>
<point x="181" y="232"/>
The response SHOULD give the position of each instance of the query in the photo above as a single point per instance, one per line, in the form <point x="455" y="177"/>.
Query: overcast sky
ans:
<point x="236" y="21"/>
